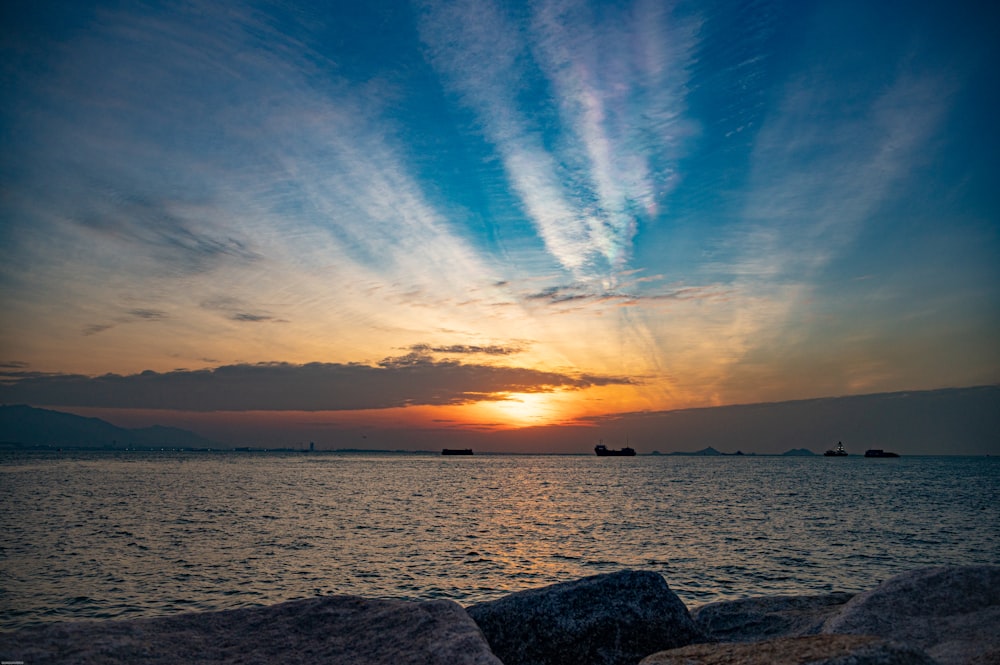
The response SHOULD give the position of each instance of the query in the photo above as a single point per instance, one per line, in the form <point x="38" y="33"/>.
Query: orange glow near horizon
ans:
<point x="417" y="426"/>
<point x="517" y="410"/>
<point x="561" y="407"/>
<point x="510" y="411"/>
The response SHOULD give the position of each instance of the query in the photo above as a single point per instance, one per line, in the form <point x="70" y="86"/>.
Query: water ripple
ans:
<point x="145" y="534"/>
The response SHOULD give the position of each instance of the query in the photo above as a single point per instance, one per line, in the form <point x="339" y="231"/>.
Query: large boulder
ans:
<point x="755" y="619"/>
<point x="330" y="629"/>
<point x="811" y="650"/>
<point x="612" y="619"/>
<point x="953" y="613"/>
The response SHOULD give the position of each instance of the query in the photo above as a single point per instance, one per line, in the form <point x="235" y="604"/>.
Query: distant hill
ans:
<point x="946" y="421"/>
<point x="704" y="452"/>
<point x="28" y="426"/>
<point x="799" y="452"/>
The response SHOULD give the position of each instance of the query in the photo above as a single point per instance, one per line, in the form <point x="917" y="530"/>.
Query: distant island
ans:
<point x="706" y="452"/>
<point x="712" y="452"/>
<point x="29" y="428"/>
<point x="23" y="426"/>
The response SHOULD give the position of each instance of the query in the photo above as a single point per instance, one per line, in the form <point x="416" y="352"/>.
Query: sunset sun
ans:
<point x="523" y="409"/>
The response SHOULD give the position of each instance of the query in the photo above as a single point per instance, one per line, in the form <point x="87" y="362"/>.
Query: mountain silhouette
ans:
<point x="28" y="426"/>
<point x="704" y="452"/>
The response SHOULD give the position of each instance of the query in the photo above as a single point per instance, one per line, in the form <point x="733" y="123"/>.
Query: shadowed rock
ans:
<point x="811" y="650"/>
<point x="953" y="613"/>
<point x="755" y="619"/>
<point x="331" y="629"/>
<point x="613" y="619"/>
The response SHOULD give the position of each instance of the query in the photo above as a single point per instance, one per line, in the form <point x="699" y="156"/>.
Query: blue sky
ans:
<point x="511" y="213"/>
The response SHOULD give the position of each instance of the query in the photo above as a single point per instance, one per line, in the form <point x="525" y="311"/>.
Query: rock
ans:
<point x="953" y="613"/>
<point x="811" y="650"/>
<point x="329" y="629"/>
<point x="601" y="620"/>
<point x="755" y="619"/>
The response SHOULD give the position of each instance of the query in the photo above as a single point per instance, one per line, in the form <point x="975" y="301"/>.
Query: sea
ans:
<point x="113" y="535"/>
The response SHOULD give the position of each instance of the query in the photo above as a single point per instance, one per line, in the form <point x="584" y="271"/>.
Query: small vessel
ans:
<point x="603" y="451"/>
<point x="839" y="452"/>
<point x="456" y="451"/>
<point x="878" y="452"/>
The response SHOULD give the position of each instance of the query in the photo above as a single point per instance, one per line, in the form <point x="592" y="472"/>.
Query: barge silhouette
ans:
<point x="603" y="451"/>
<point x="878" y="452"/>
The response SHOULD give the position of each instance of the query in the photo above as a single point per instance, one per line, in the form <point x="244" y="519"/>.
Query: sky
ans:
<point x="479" y="216"/>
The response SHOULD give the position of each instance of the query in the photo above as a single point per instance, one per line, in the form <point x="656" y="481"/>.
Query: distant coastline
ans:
<point x="8" y="446"/>
<point x="949" y="421"/>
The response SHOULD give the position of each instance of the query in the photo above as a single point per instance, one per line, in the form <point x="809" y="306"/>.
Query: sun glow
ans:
<point x="522" y="409"/>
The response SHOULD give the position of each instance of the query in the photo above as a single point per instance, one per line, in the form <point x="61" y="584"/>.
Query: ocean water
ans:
<point x="115" y="535"/>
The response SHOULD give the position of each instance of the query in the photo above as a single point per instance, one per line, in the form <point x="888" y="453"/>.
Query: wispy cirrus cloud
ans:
<point x="826" y="170"/>
<point x="619" y="85"/>
<point x="584" y="293"/>
<point x="603" y="161"/>
<point x="147" y="314"/>
<point x="820" y="177"/>
<point x="238" y="310"/>
<point x="212" y="147"/>
<point x="129" y="316"/>
<point x="169" y="231"/>
<point x="470" y="349"/>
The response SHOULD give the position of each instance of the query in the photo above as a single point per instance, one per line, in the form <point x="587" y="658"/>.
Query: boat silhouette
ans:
<point x="603" y="451"/>
<point x="839" y="452"/>
<point x="878" y="452"/>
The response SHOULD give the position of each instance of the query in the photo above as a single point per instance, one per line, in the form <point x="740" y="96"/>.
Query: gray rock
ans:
<point x="330" y="629"/>
<point x="811" y="650"/>
<point x="953" y="613"/>
<point x="756" y="619"/>
<point x="610" y="619"/>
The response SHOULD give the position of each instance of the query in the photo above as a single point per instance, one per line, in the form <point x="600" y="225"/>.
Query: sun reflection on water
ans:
<point x="106" y="535"/>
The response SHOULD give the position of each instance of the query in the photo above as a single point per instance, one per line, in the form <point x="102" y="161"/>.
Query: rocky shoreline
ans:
<point x="946" y="615"/>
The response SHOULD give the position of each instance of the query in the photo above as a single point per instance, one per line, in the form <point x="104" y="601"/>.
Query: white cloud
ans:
<point x="586" y="184"/>
<point x="823" y="168"/>
<point x="820" y="174"/>
<point x="197" y="154"/>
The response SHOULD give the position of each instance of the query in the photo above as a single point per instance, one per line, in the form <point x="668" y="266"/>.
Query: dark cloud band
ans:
<point x="408" y="381"/>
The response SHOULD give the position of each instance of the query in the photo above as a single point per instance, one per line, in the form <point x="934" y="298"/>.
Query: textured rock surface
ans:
<point x="755" y="619"/>
<point x="814" y="650"/>
<point x="601" y="620"/>
<point x="952" y="613"/>
<point x="331" y="629"/>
